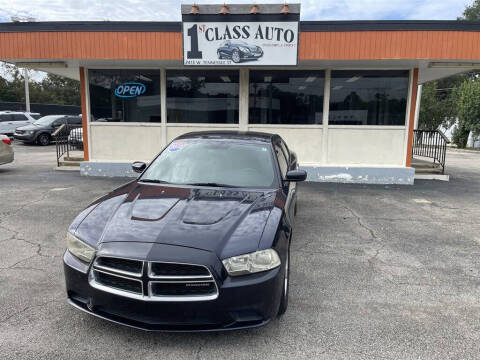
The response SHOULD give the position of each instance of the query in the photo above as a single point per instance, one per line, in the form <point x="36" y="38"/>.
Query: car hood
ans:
<point x="222" y="221"/>
<point x="28" y="127"/>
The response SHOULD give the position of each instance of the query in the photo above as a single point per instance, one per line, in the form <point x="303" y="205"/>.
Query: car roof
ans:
<point x="229" y="134"/>
<point x="13" y="112"/>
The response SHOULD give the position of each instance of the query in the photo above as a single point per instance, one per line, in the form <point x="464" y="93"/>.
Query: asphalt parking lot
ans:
<point x="378" y="272"/>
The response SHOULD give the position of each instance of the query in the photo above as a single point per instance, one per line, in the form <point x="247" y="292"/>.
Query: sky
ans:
<point x="169" y="10"/>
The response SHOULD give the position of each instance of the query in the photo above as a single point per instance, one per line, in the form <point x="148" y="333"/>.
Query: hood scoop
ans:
<point x="152" y="208"/>
<point x="208" y="207"/>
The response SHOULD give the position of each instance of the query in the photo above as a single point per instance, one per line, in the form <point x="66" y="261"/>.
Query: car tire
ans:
<point x="284" y="297"/>
<point x="236" y="56"/>
<point x="43" y="139"/>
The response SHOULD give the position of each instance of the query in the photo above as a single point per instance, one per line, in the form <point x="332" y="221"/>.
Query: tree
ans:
<point x="437" y="106"/>
<point x="52" y="89"/>
<point x="468" y="112"/>
<point x="472" y="12"/>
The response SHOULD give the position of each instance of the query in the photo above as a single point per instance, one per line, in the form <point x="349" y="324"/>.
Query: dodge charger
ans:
<point x="200" y="241"/>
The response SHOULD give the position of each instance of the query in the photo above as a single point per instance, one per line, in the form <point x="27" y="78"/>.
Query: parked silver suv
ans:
<point x="10" y="120"/>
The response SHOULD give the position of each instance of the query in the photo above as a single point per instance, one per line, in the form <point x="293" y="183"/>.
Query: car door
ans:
<point x="5" y="124"/>
<point x="20" y="120"/>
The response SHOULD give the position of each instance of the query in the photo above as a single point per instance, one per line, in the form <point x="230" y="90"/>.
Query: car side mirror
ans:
<point x="296" y="175"/>
<point x="138" y="166"/>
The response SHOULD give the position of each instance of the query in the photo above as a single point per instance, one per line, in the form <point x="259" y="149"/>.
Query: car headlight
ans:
<point x="79" y="249"/>
<point x="252" y="263"/>
<point x="244" y="49"/>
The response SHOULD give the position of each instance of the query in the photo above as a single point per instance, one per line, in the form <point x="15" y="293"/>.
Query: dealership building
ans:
<point x="344" y="95"/>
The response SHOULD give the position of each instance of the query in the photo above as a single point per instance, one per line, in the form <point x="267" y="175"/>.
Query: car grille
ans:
<point x="153" y="281"/>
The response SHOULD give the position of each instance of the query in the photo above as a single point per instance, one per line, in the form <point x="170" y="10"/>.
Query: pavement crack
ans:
<point x="26" y="308"/>
<point x="361" y="223"/>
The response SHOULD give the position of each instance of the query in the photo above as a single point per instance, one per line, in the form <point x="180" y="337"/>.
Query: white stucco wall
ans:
<point x="306" y="142"/>
<point x="119" y="142"/>
<point x="375" y="145"/>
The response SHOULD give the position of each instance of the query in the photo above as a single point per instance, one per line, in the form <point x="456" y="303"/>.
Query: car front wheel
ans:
<point x="43" y="139"/>
<point x="236" y="56"/>
<point x="284" y="298"/>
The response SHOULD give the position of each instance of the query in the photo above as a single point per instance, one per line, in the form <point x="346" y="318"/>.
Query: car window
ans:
<point x="59" y="122"/>
<point x="285" y="150"/>
<point x="282" y="161"/>
<point x="19" y="117"/>
<point x="5" y="117"/>
<point x="74" y="120"/>
<point x="235" y="163"/>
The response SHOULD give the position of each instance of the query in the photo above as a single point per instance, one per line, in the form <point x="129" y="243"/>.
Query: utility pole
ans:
<point x="27" y="90"/>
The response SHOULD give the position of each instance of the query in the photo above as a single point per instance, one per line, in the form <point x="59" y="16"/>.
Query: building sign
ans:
<point x="240" y="43"/>
<point x="130" y="90"/>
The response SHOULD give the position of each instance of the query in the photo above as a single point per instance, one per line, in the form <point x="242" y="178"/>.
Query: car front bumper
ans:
<point x="242" y="302"/>
<point x="24" y="137"/>
<point x="250" y="55"/>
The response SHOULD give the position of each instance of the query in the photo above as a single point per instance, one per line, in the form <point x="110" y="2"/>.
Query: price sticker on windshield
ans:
<point x="176" y="146"/>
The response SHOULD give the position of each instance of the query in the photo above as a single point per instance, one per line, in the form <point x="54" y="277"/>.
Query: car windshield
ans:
<point x="214" y="163"/>
<point x="47" y="120"/>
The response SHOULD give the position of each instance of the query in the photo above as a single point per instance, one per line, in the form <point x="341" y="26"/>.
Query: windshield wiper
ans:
<point x="212" y="184"/>
<point x="155" y="181"/>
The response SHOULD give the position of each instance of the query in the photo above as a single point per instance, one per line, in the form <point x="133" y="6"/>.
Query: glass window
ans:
<point x="202" y="96"/>
<point x="286" y="97"/>
<point x="214" y="161"/>
<point x="5" y="117"/>
<point x="368" y="97"/>
<point x="19" y="117"/>
<point x="125" y="95"/>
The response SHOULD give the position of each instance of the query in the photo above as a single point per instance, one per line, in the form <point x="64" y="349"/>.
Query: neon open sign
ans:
<point x="130" y="90"/>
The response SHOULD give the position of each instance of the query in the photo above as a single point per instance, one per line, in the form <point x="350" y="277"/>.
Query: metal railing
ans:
<point x="68" y="137"/>
<point x="431" y="144"/>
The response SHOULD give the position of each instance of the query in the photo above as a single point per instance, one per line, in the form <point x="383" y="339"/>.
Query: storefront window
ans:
<point x="202" y="96"/>
<point x="125" y="95"/>
<point x="368" y="97"/>
<point x="286" y="97"/>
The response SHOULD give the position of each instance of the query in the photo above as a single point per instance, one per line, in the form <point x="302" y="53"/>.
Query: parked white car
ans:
<point x="6" y="150"/>
<point x="10" y="120"/>
<point x="76" y="138"/>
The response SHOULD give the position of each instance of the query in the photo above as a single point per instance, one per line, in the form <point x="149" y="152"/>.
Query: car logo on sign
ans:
<point x="130" y="90"/>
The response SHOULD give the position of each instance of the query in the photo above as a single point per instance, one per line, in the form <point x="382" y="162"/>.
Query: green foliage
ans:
<point x="437" y="107"/>
<point x="468" y="111"/>
<point x="460" y="136"/>
<point x="472" y="12"/>
<point x="53" y="89"/>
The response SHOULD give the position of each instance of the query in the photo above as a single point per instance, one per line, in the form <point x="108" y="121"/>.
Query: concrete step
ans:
<point x="437" y="170"/>
<point x="72" y="158"/>
<point x="67" y="168"/>
<point x="69" y="163"/>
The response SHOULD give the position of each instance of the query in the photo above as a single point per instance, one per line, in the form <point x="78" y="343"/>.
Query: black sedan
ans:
<point x="237" y="51"/>
<point x="199" y="241"/>
<point x="40" y="132"/>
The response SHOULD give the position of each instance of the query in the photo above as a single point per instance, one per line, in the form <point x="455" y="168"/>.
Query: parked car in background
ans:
<point x="76" y="138"/>
<point x="6" y="150"/>
<point x="36" y="116"/>
<point x="200" y="241"/>
<point x="41" y="131"/>
<point x="10" y="120"/>
<point x="239" y="50"/>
